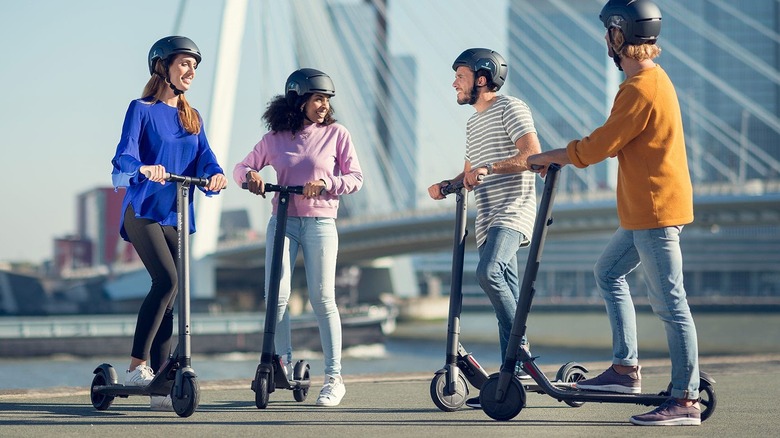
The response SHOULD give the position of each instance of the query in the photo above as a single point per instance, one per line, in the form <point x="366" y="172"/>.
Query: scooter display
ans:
<point x="503" y="395"/>
<point x="449" y="389"/>
<point x="176" y="376"/>
<point x="271" y="374"/>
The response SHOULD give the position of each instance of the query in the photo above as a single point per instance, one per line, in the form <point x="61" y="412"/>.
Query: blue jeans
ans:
<point x="497" y="273"/>
<point x="658" y="250"/>
<point x="319" y="240"/>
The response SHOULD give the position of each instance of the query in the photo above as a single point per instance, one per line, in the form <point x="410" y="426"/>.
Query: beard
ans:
<point x="464" y="99"/>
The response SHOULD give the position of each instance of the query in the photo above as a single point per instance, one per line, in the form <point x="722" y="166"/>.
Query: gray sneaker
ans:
<point x="611" y="381"/>
<point x="670" y="413"/>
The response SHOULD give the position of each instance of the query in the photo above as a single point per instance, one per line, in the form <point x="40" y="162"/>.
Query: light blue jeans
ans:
<point x="658" y="251"/>
<point x="319" y="240"/>
<point x="497" y="273"/>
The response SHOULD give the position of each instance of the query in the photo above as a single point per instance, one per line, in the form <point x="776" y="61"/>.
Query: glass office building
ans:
<point x="723" y="58"/>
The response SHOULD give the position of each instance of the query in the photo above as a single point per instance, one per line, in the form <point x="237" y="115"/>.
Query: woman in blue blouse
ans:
<point x="161" y="134"/>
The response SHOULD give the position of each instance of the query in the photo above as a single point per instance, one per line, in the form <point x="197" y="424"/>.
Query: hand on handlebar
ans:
<point x="217" y="182"/>
<point x="254" y="183"/>
<point x="154" y="172"/>
<point x="313" y="188"/>
<point x="434" y="191"/>
<point x="474" y="178"/>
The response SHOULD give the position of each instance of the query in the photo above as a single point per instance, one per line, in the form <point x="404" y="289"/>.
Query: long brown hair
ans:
<point x="156" y="87"/>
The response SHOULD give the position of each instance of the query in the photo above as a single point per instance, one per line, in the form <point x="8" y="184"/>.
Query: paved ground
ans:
<point x="746" y="391"/>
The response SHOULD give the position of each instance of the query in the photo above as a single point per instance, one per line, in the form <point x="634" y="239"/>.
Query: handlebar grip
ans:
<point x="451" y="188"/>
<point x="298" y="190"/>
<point x="172" y="177"/>
<point x="277" y="188"/>
<point x="454" y="187"/>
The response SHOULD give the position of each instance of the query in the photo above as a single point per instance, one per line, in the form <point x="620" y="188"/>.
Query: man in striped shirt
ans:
<point x="500" y="135"/>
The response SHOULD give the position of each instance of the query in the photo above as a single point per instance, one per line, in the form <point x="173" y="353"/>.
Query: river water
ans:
<point x="419" y="347"/>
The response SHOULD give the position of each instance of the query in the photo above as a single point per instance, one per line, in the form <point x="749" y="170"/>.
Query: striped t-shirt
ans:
<point x="505" y="200"/>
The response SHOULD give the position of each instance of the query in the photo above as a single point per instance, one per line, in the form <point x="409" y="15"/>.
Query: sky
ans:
<point x="70" y="69"/>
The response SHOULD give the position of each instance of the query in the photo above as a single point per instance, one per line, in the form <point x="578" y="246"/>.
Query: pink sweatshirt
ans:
<point x="315" y="152"/>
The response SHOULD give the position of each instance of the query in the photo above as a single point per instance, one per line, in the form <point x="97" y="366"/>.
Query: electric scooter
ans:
<point x="503" y="396"/>
<point x="449" y="389"/>
<point x="271" y="374"/>
<point x="176" y="376"/>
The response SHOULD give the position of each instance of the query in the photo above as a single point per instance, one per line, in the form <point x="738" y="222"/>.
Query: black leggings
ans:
<point x="156" y="246"/>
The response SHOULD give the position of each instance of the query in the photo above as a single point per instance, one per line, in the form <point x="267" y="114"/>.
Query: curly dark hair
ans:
<point x="280" y="116"/>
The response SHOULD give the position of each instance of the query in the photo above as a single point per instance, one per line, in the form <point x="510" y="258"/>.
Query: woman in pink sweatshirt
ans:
<point x="306" y="147"/>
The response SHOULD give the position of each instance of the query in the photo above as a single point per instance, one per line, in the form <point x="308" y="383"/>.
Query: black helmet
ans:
<point x="307" y="80"/>
<point x="172" y="45"/>
<point x="484" y="59"/>
<point x="640" y="20"/>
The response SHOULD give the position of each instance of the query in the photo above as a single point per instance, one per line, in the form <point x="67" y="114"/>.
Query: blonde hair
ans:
<point x="156" y="87"/>
<point x="638" y="52"/>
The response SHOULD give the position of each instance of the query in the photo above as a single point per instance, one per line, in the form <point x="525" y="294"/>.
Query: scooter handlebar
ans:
<point x="298" y="190"/>
<point x="201" y="182"/>
<point x="455" y="186"/>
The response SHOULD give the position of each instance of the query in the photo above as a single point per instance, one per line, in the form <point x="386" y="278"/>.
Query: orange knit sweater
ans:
<point x="645" y="132"/>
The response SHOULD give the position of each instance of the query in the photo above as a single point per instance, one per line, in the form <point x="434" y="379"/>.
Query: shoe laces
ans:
<point x="668" y="404"/>
<point x="329" y="386"/>
<point x="146" y="371"/>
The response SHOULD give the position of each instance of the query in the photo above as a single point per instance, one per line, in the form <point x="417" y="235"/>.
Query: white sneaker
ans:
<point x="332" y="392"/>
<point x="161" y="403"/>
<point x="142" y="375"/>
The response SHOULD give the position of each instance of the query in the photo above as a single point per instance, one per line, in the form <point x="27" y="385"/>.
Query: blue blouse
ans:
<point x="152" y="134"/>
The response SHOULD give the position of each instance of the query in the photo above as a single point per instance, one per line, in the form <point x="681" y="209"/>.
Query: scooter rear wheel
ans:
<point x="185" y="405"/>
<point x="301" y="372"/>
<point x="510" y="407"/>
<point x="569" y="373"/>
<point x="101" y="402"/>
<point x="448" y="402"/>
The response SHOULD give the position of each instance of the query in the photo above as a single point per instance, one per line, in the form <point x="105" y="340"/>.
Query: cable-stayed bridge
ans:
<point x="391" y="63"/>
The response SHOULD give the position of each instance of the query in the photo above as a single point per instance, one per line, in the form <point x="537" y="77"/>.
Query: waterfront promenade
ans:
<point x="397" y="405"/>
<point x="740" y="351"/>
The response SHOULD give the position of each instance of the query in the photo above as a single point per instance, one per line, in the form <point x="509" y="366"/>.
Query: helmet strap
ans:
<point x="176" y="91"/>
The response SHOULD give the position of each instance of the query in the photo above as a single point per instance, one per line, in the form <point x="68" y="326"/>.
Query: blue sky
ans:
<point x="70" y="68"/>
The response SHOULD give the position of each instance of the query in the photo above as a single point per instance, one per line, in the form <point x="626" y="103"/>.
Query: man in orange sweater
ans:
<point x="654" y="200"/>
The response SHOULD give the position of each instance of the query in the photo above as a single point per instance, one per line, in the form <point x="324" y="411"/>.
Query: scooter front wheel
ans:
<point x="185" y="405"/>
<point x="261" y="390"/>
<point x="502" y="410"/>
<point x="101" y="402"/>
<point x="441" y="397"/>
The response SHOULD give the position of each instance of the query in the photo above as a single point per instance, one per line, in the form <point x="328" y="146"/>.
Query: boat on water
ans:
<point x="101" y="335"/>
